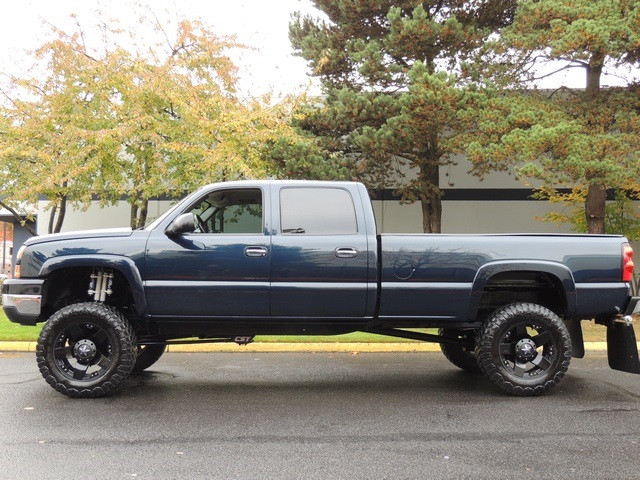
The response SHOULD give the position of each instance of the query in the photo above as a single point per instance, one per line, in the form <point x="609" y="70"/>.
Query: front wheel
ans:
<point x="524" y="349"/>
<point x="86" y="350"/>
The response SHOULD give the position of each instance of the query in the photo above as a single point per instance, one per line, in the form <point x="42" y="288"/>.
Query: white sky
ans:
<point x="262" y="24"/>
<point x="257" y="23"/>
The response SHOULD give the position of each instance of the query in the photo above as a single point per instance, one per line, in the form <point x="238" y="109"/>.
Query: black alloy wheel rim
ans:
<point x="83" y="352"/>
<point x="528" y="350"/>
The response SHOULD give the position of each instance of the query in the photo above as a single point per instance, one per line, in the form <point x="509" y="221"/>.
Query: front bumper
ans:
<point x="21" y="300"/>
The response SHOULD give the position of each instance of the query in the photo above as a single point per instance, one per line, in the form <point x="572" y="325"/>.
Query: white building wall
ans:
<point x="497" y="217"/>
<point x="469" y="217"/>
<point x="472" y="216"/>
<point x="95" y="217"/>
<point x="458" y="216"/>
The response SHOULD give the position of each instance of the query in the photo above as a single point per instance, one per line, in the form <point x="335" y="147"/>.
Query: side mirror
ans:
<point x="182" y="224"/>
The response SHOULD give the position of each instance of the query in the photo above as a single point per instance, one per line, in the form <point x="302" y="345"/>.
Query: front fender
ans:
<point x="558" y="270"/>
<point x="124" y="265"/>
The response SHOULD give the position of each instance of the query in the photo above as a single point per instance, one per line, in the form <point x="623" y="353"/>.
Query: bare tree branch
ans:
<point x="21" y="218"/>
<point x="566" y="67"/>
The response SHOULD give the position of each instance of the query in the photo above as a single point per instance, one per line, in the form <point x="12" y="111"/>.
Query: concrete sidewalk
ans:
<point x="293" y="347"/>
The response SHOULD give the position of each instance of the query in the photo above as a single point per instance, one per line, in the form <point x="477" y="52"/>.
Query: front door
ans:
<point x="221" y="269"/>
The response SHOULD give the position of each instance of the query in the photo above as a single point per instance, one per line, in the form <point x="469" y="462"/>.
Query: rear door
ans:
<point x="320" y="253"/>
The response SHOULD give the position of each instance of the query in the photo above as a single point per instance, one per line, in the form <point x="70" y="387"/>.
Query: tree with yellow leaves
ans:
<point x="155" y="119"/>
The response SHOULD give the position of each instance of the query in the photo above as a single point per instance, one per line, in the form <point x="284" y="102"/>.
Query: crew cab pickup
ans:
<point x="239" y="259"/>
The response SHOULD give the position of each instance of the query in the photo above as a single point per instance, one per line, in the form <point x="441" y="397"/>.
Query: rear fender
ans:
<point x="558" y="270"/>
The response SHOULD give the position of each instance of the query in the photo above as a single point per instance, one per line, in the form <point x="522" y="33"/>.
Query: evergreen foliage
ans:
<point x="586" y="139"/>
<point x="393" y="80"/>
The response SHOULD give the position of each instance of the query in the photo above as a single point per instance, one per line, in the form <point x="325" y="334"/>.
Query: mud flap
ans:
<point x="577" y="341"/>
<point x="622" y="348"/>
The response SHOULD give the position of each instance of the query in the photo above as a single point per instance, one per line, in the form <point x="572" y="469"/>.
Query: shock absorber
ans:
<point x="107" y="279"/>
<point x="100" y="285"/>
<point x="92" y="284"/>
<point x="99" y="282"/>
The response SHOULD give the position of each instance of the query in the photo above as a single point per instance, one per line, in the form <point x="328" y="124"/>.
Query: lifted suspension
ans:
<point x="100" y="285"/>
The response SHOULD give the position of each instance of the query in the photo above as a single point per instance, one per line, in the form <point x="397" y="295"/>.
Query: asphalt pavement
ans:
<point x="323" y="415"/>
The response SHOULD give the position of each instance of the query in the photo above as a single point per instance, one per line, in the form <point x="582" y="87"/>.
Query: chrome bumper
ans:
<point x="21" y="300"/>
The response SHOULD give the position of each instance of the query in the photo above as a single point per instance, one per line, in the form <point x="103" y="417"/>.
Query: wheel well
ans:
<point x="66" y="286"/>
<point x="524" y="286"/>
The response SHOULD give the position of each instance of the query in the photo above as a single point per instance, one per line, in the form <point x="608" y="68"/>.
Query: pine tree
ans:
<point x="393" y="81"/>
<point x="583" y="139"/>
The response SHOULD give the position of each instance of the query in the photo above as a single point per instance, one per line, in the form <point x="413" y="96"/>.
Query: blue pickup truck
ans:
<point x="239" y="259"/>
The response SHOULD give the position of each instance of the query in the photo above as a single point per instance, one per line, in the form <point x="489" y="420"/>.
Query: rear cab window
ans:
<point x="317" y="211"/>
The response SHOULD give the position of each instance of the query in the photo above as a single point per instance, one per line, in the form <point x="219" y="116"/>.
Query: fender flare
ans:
<point x="558" y="270"/>
<point x="124" y="265"/>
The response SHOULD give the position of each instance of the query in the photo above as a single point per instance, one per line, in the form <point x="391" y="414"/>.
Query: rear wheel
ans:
<point x="462" y="355"/>
<point x="524" y="349"/>
<point x="147" y="355"/>
<point x="86" y="350"/>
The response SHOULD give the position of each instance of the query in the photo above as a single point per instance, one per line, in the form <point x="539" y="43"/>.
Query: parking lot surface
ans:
<point x="319" y="415"/>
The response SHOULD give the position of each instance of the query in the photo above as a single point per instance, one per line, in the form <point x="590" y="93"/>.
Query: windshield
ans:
<point x="154" y="224"/>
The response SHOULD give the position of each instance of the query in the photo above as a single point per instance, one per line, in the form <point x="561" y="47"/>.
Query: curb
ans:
<point x="259" y="347"/>
<point x="310" y="347"/>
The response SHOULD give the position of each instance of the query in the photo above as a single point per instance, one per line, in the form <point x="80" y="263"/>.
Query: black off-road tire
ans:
<point x="147" y="355"/>
<point x="86" y="350"/>
<point x="462" y="357"/>
<point x="524" y="349"/>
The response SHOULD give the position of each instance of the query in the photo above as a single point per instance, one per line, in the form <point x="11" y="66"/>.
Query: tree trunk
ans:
<point x="432" y="213"/>
<point x="52" y="217"/>
<point x="594" y="73"/>
<point x="594" y="207"/>
<point x="430" y="197"/>
<point x="58" y="211"/>
<point x="594" y="204"/>
<point x="142" y="214"/>
<point x="62" y="210"/>
<point x="139" y="211"/>
<point x="133" y="216"/>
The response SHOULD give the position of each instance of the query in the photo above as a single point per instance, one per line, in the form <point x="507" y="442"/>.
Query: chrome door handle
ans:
<point x="255" y="252"/>
<point x="346" y="252"/>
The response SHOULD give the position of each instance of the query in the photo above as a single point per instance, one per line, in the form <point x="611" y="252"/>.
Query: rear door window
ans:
<point x="317" y="211"/>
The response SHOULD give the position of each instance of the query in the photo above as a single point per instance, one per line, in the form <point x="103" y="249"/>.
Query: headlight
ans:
<point x="16" y="270"/>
